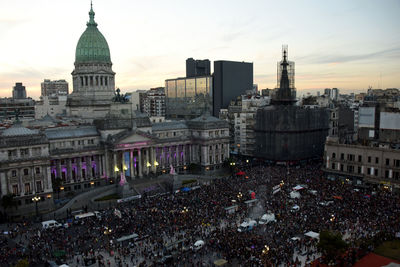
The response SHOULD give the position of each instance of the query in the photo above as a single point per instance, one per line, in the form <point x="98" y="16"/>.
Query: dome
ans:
<point x="92" y="46"/>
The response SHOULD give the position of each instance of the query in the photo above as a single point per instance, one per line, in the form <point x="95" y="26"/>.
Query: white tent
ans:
<point x="312" y="234"/>
<point x="298" y="187"/>
<point x="294" y="194"/>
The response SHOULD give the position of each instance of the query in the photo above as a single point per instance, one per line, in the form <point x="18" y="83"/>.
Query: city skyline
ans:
<point x="346" y="45"/>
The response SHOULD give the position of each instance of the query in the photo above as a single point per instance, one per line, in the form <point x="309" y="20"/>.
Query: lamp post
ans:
<point x="36" y="199"/>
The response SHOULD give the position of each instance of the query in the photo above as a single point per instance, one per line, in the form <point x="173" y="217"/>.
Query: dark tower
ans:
<point x="285" y="93"/>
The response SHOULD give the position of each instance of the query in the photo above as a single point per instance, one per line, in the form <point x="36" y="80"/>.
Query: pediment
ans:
<point x="134" y="138"/>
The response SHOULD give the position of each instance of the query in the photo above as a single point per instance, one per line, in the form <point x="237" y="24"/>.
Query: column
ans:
<point x="190" y="153"/>
<point x="140" y="166"/>
<point x="89" y="173"/>
<point x="184" y="154"/>
<point x="79" y="168"/>
<point x="153" y="160"/>
<point x="114" y="164"/>
<point x="97" y="166"/>
<point x="21" y="185"/>
<point x="131" y="164"/>
<point x="47" y="184"/>
<point x="33" y="180"/>
<point x="107" y="164"/>
<point x="147" y="161"/>
<point x="58" y="168"/>
<point x="103" y="165"/>
<point x="123" y="164"/>
<point x="69" y="170"/>
<point x="3" y="183"/>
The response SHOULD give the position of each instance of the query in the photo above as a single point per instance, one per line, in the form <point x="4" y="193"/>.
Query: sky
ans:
<point x="350" y="45"/>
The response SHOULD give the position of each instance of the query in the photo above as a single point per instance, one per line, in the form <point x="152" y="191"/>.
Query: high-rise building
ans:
<point x="54" y="88"/>
<point x="93" y="77"/>
<point x="195" y="68"/>
<point x="230" y="80"/>
<point x="19" y="91"/>
<point x="188" y="97"/>
<point x="152" y="102"/>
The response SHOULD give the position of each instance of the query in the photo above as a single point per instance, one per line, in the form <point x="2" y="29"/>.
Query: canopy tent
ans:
<point x="312" y="234"/>
<point x="127" y="237"/>
<point x="295" y="238"/>
<point x="220" y="262"/>
<point x="298" y="187"/>
<point x="240" y="173"/>
<point x="294" y="194"/>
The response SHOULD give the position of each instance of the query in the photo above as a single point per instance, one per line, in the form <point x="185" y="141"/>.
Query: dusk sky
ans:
<point x="345" y="44"/>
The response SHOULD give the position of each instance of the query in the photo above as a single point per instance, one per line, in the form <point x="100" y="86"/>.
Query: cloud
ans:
<point x="391" y="53"/>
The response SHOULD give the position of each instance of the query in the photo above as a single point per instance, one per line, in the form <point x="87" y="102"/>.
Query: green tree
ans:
<point x="57" y="183"/>
<point x="331" y="245"/>
<point x="8" y="201"/>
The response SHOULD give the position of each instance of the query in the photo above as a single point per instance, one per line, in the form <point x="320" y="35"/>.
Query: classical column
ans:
<point x="97" y="166"/>
<point x="33" y="180"/>
<point x="123" y="163"/>
<point x="3" y="183"/>
<point x="114" y="164"/>
<point x="190" y="153"/>
<point x="89" y="167"/>
<point x="47" y="185"/>
<point x="140" y="166"/>
<point x="131" y="164"/>
<point x="69" y="170"/>
<point x="147" y="161"/>
<point x="184" y="154"/>
<point x="58" y="168"/>
<point x="108" y="169"/>
<point x="79" y="168"/>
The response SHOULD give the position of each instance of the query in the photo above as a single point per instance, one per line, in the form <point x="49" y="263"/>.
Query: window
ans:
<point x="13" y="173"/>
<point x="174" y="133"/>
<point x="333" y="166"/>
<point x="37" y="170"/>
<point x="37" y="151"/>
<point x="341" y="156"/>
<point x="387" y="162"/>
<point x="333" y="155"/>
<point x="341" y="167"/>
<point x="15" y="189"/>
<point x="216" y="146"/>
<point x="376" y="172"/>
<point x="369" y="171"/>
<point x="72" y="143"/>
<point x="24" y="152"/>
<point x="351" y="157"/>
<point x="369" y="159"/>
<point x="350" y="169"/>
<point x="26" y="171"/>
<point x="386" y="174"/>
<point x="12" y="153"/>
<point x="359" y="169"/>
<point x="210" y="159"/>
<point x="359" y="158"/>
<point x="39" y="186"/>
<point x="396" y="162"/>
<point x="210" y="147"/>
<point x="377" y="160"/>
<point x="27" y="188"/>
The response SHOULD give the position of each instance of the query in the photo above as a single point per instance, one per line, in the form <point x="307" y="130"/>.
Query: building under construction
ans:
<point x="284" y="131"/>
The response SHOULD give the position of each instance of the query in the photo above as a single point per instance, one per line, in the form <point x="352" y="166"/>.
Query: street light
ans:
<point x="36" y="199"/>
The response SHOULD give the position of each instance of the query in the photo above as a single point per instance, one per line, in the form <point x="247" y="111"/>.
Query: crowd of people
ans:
<point x="169" y="224"/>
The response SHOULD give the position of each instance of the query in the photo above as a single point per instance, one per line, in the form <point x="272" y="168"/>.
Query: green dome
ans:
<point x="92" y="46"/>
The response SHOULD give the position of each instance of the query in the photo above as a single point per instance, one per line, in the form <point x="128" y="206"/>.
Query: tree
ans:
<point x="331" y="245"/>
<point x="57" y="183"/>
<point x="8" y="201"/>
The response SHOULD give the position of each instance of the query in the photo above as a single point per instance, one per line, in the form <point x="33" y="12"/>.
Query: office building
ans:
<point x="195" y="68"/>
<point x="188" y="97"/>
<point x="230" y="80"/>
<point x="19" y="91"/>
<point x="54" y="88"/>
